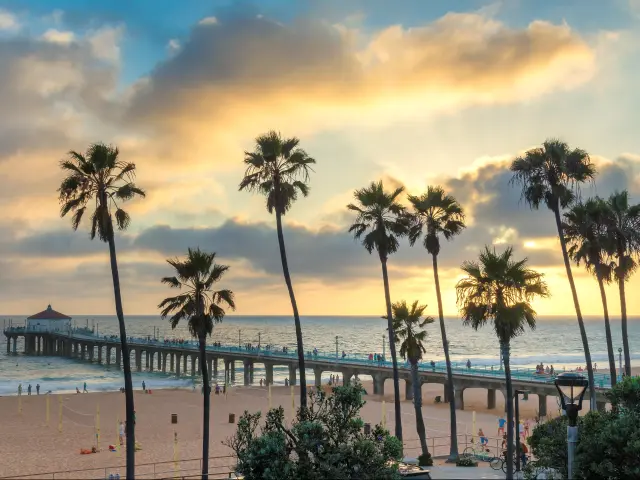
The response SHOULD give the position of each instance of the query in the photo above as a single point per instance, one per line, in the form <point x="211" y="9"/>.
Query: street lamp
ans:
<point x="239" y="339"/>
<point x="517" y="405"/>
<point x="571" y="387"/>
<point x="620" y="361"/>
<point x="383" y="345"/>
<point x="336" y="347"/>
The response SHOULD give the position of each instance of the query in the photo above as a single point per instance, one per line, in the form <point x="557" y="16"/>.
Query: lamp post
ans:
<point x="336" y="347"/>
<point x="620" y="363"/>
<point x="571" y="387"/>
<point x="517" y="407"/>
<point x="259" y="339"/>
<point x="239" y="338"/>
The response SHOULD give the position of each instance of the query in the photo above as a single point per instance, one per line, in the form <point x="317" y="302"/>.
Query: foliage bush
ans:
<point x="425" y="460"/>
<point x="326" y="441"/>
<point x="608" y="442"/>
<point x="466" y="462"/>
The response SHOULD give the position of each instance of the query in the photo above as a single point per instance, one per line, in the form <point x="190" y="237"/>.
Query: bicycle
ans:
<point x="478" y="451"/>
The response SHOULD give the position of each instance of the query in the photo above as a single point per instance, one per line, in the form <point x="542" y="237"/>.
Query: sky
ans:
<point x="412" y="92"/>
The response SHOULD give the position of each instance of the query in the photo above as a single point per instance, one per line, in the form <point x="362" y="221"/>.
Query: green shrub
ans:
<point x="466" y="462"/>
<point x="608" y="442"/>
<point x="326" y="441"/>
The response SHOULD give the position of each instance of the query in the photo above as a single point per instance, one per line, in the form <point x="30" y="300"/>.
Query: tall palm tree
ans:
<point x="499" y="290"/>
<point x="99" y="181"/>
<point x="551" y="175"/>
<point x="624" y="230"/>
<point x="200" y="306"/>
<point x="586" y="233"/>
<point x="279" y="169"/>
<point x="408" y="324"/>
<point x="380" y="221"/>
<point x="438" y="214"/>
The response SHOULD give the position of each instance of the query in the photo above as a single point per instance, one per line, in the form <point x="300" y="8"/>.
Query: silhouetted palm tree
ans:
<point x="279" y="169"/>
<point x="99" y="181"/>
<point x="408" y="324"/>
<point x="499" y="290"/>
<point x="585" y="230"/>
<point x="200" y="306"/>
<point x="438" y="214"/>
<point x="623" y="227"/>
<point x="380" y="221"/>
<point x="551" y="175"/>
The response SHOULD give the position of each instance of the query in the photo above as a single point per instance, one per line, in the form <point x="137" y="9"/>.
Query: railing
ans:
<point x="355" y="359"/>
<point x="219" y="468"/>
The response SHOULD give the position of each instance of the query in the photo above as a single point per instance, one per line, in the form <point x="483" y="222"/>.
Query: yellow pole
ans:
<point x="98" y="427"/>
<point x="176" y="456"/>
<point x="473" y="427"/>
<point x="47" y="403"/>
<point x="269" y="396"/>
<point x="60" y="413"/>
<point x="384" y="414"/>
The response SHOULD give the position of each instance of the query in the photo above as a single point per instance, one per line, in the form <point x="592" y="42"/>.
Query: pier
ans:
<point x="183" y="358"/>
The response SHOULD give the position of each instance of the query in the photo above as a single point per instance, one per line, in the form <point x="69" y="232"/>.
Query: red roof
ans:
<point x="49" y="314"/>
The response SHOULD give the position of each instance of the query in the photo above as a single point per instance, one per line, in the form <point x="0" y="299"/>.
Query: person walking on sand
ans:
<point x="29" y="390"/>
<point x="38" y="389"/>
<point x="468" y="363"/>
<point x="85" y="388"/>
<point x="144" y="386"/>
<point x="501" y="424"/>
<point x="19" y="389"/>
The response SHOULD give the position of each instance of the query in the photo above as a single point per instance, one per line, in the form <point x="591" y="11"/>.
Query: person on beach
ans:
<point x="527" y="427"/>
<point x="501" y="423"/>
<point x="121" y="433"/>
<point x="29" y="390"/>
<point x="38" y="389"/>
<point x="260" y="382"/>
<point x="19" y="389"/>
<point x="483" y="439"/>
<point x="144" y="386"/>
<point x="521" y="429"/>
<point x="523" y="454"/>
<point x="77" y="390"/>
<point x="469" y="364"/>
<point x="217" y="389"/>
<point x="286" y="382"/>
<point x="85" y="388"/>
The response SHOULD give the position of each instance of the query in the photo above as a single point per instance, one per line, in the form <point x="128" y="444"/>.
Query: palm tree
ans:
<point x="200" y="306"/>
<point x="586" y="235"/>
<point x="408" y="324"/>
<point x="279" y="169"/>
<point x="440" y="215"/>
<point x="499" y="290"/>
<point x="551" y="175"/>
<point x="380" y="221"/>
<point x="624" y="230"/>
<point x="100" y="181"/>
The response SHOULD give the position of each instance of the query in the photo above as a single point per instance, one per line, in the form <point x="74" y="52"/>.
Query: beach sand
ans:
<point x="33" y="447"/>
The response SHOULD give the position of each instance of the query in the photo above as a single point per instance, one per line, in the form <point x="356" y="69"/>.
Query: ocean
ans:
<point x="555" y="341"/>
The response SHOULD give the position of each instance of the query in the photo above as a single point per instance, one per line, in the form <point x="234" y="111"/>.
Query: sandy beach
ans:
<point x="35" y="447"/>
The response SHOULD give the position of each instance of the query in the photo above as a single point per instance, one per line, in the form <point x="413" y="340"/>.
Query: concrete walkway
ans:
<point x="464" y="473"/>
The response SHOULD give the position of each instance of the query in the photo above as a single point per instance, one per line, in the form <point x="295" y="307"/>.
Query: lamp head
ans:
<point x="571" y="387"/>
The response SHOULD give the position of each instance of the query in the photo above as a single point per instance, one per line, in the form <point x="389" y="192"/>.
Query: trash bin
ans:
<point x="174" y="418"/>
<point x="367" y="428"/>
<point x="232" y="418"/>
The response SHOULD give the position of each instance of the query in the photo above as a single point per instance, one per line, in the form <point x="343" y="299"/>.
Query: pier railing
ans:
<point x="603" y="380"/>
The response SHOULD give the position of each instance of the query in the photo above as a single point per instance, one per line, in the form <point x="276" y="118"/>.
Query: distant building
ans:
<point x="49" y="321"/>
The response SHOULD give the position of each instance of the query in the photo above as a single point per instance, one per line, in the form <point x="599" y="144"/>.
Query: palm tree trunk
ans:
<point x="296" y="316"/>
<point x="417" y="403"/>
<point x="126" y="359"/>
<point x="206" y="406"/>
<point x="453" y="452"/>
<point x="607" y="328"/>
<point x="623" y="315"/>
<point x="392" y="348"/>
<point x="509" y="401"/>
<point x="576" y="304"/>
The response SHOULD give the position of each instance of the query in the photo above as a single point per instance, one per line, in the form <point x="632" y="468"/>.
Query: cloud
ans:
<point x="8" y="20"/>
<point x="243" y="73"/>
